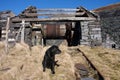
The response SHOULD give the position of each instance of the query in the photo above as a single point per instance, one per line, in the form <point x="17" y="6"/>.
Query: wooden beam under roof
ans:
<point x="3" y="20"/>
<point x="53" y="14"/>
<point x="58" y="9"/>
<point x="54" y="19"/>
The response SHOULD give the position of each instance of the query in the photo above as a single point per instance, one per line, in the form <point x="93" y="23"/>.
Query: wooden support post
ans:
<point x="42" y="42"/>
<point x="80" y="32"/>
<point x="6" y="37"/>
<point x="18" y="33"/>
<point x="23" y="31"/>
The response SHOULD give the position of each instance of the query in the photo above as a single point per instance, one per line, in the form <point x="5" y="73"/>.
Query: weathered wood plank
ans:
<point x="56" y="19"/>
<point x="54" y="14"/>
<point x="23" y="32"/>
<point x="6" y="38"/>
<point x="3" y="20"/>
<point x="58" y="9"/>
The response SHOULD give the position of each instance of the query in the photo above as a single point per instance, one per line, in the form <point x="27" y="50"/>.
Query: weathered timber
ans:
<point x="56" y="19"/>
<point x="58" y="9"/>
<point x="22" y="31"/>
<point x="6" y="41"/>
<point x="2" y="20"/>
<point x="53" y="14"/>
<point x="32" y="16"/>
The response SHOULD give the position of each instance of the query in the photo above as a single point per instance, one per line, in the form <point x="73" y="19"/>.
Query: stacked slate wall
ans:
<point x="110" y="25"/>
<point x="91" y="33"/>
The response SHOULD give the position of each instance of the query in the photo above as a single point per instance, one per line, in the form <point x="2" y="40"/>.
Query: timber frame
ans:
<point x="32" y="16"/>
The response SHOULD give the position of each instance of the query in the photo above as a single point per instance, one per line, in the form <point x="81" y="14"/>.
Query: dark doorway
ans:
<point x="77" y="34"/>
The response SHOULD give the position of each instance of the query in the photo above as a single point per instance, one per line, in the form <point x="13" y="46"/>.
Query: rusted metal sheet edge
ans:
<point x="94" y="67"/>
<point x="55" y="19"/>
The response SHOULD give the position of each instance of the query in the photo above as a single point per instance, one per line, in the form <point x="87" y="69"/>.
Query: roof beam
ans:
<point x="58" y="9"/>
<point x="55" y="19"/>
<point x="53" y="14"/>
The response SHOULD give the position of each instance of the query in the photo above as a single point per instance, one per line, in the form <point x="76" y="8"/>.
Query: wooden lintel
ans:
<point x="55" y="19"/>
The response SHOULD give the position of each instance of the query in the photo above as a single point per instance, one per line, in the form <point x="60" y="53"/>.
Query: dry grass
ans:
<point x="24" y="64"/>
<point x="106" y="60"/>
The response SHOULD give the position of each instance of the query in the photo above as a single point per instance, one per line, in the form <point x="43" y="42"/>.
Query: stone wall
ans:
<point x="91" y="33"/>
<point x="110" y="25"/>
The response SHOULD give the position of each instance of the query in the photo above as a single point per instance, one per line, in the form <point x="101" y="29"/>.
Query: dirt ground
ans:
<point x="21" y="63"/>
